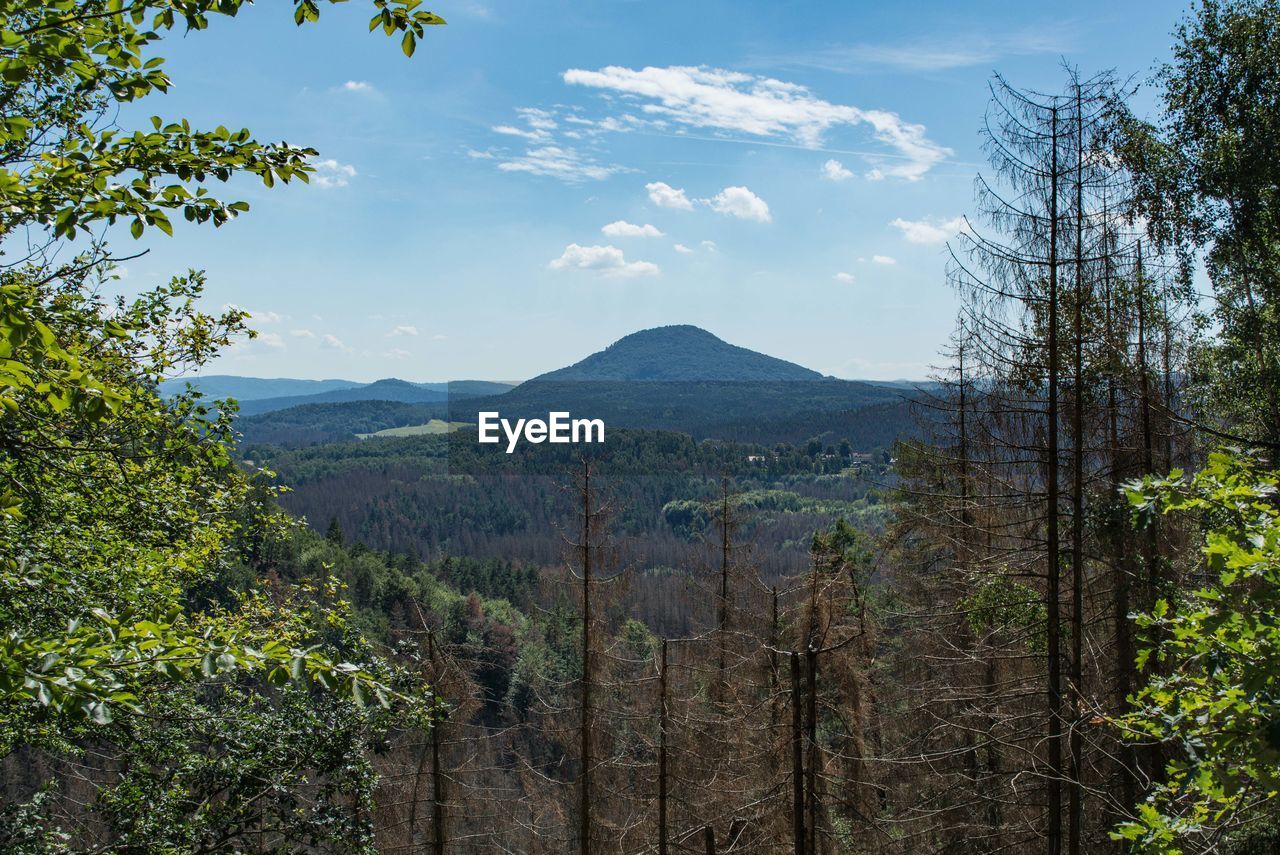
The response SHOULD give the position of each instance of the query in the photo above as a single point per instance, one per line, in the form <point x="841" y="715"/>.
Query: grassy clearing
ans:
<point x="433" y="426"/>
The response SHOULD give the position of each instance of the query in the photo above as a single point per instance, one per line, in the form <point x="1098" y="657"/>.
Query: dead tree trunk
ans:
<point x="1053" y="569"/>
<point x="662" y="753"/>
<point x="811" y="740"/>
<point x="437" y="774"/>
<point x="1075" y="805"/>
<point x="797" y="759"/>
<point x="584" y="792"/>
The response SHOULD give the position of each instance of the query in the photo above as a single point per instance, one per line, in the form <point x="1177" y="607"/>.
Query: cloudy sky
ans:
<point x="543" y="178"/>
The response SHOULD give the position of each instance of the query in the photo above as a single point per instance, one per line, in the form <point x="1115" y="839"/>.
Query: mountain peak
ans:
<point x="670" y="333"/>
<point x="680" y="352"/>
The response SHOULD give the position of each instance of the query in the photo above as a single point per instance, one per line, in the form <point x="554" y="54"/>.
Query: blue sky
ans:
<point x="541" y="179"/>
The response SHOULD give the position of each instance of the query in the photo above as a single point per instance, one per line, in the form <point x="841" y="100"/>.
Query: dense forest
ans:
<point x="315" y="424"/>
<point x="1040" y="615"/>
<point x="439" y="496"/>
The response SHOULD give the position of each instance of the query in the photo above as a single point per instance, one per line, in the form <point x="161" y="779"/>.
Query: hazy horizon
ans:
<point x="216" y="370"/>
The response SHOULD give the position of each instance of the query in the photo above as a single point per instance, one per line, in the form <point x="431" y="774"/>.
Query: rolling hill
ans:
<point x="268" y="394"/>
<point x="722" y="409"/>
<point x="390" y="389"/>
<point x="683" y="378"/>
<point x="221" y="386"/>
<point x="678" y="353"/>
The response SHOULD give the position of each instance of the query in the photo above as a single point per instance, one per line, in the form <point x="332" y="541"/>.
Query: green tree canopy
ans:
<point x="119" y="508"/>
<point x="1207" y="177"/>
<point x="1213" y="699"/>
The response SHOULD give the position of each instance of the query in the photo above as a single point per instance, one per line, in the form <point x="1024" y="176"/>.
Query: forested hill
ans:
<point x="682" y="378"/>
<point x="679" y="353"/>
<point x="383" y="390"/>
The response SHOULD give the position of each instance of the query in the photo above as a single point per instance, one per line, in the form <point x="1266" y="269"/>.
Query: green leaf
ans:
<point x="99" y="713"/>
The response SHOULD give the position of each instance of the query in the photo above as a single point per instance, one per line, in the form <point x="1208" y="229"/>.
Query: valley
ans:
<point x="432" y="490"/>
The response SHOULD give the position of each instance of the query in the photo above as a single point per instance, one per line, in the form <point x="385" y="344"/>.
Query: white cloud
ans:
<point x="607" y="260"/>
<point x="709" y="245"/>
<point x="665" y="196"/>
<point x="271" y="340"/>
<point x="846" y="278"/>
<point x="538" y="128"/>
<point x="397" y="353"/>
<point x="622" y="228"/>
<point x="535" y="134"/>
<point x="834" y="170"/>
<point x="928" y="231"/>
<point x="564" y="163"/>
<point x="332" y="342"/>
<point x="884" y="259"/>
<point x="936" y="53"/>
<point x="537" y="119"/>
<point x="681" y="248"/>
<point x="362" y="87"/>
<point x="742" y="203"/>
<point x="733" y="102"/>
<point x="329" y="174"/>
<point x="302" y="333"/>
<point x="545" y="155"/>
<point x="403" y="329"/>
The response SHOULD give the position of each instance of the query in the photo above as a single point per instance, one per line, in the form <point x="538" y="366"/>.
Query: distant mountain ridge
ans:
<point x="221" y="386"/>
<point x="677" y="378"/>
<point x="258" y="395"/>
<point x="678" y="353"/>
<point x="391" y="389"/>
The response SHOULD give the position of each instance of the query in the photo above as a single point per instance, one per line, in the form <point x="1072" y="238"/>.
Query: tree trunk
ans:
<point x="797" y="759"/>
<point x="584" y="805"/>
<point x="1150" y="544"/>
<point x="1053" y="568"/>
<point x="1075" y="806"/>
<point x="662" y="753"/>
<point x="1122" y="570"/>
<point x="722" y="616"/>
<point x="811" y="739"/>
<point x="437" y="774"/>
